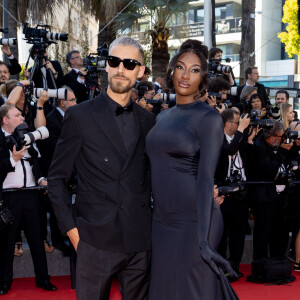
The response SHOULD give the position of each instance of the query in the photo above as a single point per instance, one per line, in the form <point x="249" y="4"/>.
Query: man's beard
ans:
<point x="117" y="87"/>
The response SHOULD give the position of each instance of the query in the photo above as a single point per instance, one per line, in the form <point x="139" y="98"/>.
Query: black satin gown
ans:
<point x="184" y="148"/>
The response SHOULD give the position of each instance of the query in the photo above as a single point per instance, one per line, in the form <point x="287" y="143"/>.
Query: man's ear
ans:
<point x="141" y="71"/>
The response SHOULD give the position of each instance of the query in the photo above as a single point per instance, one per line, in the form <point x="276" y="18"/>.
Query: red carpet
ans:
<point x="24" y="288"/>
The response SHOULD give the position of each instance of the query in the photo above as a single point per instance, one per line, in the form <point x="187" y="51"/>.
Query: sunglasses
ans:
<point x="129" y="64"/>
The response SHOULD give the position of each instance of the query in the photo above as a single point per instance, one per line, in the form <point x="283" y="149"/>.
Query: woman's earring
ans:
<point x="171" y="75"/>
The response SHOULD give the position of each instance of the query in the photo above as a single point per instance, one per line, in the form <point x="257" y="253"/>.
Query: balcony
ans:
<point x="197" y="29"/>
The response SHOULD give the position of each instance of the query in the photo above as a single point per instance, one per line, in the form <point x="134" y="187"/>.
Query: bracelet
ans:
<point x="21" y="85"/>
<point x="39" y="107"/>
<point x="55" y="73"/>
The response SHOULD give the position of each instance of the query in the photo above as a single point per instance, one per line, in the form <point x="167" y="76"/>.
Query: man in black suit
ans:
<point x="252" y="77"/>
<point x="270" y="155"/>
<point x="19" y="169"/>
<point x="13" y="67"/>
<point x="75" y="78"/>
<point x="54" y="122"/>
<point x="235" y="206"/>
<point x="104" y="139"/>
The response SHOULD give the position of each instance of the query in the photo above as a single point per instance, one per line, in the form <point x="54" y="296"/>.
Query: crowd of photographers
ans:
<point x="256" y="177"/>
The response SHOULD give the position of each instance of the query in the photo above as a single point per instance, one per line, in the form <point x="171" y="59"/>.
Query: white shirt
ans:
<point x="61" y="111"/>
<point x="16" y="179"/>
<point x="238" y="163"/>
<point x="80" y="80"/>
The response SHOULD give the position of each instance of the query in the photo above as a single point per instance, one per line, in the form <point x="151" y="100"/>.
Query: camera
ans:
<point x="290" y="135"/>
<point x="166" y="98"/>
<point x="233" y="184"/>
<point x="254" y="121"/>
<point x="288" y="176"/>
<point x="96" y="61"/>
<point x="53" y="93"/>
<point x="8" y="41"/>
<point x="22" y="137"/>
<point x="225" y="190"/>
<point x="42" y="32"/>
<point x="215" y="68"/>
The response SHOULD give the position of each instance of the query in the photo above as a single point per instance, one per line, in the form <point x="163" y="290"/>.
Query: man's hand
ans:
<point x="83" y="71"/>
<point x="219" y="199"/>
<point x="26" y="73"/>
<point x="286" y="146"/>
<point x="164" y="106"/>
<point x="212" y="101"/>
<point x="244" y="123"/>
<point x="254" y="132"/>
<point x="220" y="110"/>
<point x="157" y="96"/>
<point x="48" y="65"/>
<point x="6" y="50"/>
<point x="43" y="98"/>
<point x="17" y="155"/>
<point x="74" y="237"/>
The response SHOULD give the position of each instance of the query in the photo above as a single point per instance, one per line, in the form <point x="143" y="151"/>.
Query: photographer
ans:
<point x="75" y="78"/>
<point x="231" y="171"/>
<point x="20" y="169"/>
<point x="281" y="96"/>
<point x="252" y="77"/>
<point x="215" y="57"/>
<point x="219" y="86"/>
<point x="146" y="93"/>
<point x="33" y="114"/>
<point x="270" y="156"/>
<point x="13" y="67"/>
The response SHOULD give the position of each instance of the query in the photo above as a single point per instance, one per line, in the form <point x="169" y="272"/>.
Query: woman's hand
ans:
<point x="214" y="259"/>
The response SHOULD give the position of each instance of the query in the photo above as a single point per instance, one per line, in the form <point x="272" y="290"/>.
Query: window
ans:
<point x="220" y="13"/>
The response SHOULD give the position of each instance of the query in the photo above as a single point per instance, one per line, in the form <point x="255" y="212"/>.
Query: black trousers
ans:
<point x="235" y="215"/>
<point x="270" y="236"/>
<point x="56" y="236"/>
<point x="96" y="268"/>
<point x="25" y="208"/>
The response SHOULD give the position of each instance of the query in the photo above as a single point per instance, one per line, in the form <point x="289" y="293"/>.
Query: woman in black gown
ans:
<point x="183" y="148"/>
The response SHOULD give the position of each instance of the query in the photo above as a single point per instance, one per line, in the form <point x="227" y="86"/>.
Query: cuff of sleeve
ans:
<point x="11" y="57"/>
<point x="40" y="179"/>
<point x="13" y="163"/>
<point x="80" y="80"/>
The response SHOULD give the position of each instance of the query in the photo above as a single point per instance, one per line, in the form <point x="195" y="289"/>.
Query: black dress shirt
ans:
<point x="126" y="123"/>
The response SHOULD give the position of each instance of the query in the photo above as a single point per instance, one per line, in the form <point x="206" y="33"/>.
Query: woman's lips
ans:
<point x="183" y="84"/>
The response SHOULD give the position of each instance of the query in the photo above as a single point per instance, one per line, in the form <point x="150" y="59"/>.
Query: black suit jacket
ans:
<point x="79" y="89"/>
<point x="265" y="164"/>
<point x="54" y="124"/>
<point x="38" y="76"/>
<point x="113" y="199"/>
<point x="14" y="66"/>
<point x="5" y="164"/>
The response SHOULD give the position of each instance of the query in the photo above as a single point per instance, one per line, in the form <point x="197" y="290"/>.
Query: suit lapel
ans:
<point x="104" y="118"/>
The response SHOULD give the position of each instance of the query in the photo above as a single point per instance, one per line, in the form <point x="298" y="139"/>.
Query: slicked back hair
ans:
<point x="128" y="41"/>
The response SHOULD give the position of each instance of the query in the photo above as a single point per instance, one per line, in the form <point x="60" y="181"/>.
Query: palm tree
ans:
<point x="159" y="12"/>
<point x="248" y="38"/>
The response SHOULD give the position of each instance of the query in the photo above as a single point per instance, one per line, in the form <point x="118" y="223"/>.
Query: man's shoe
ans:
<point x="4" y="289"/>
<point x="46" y="285"/>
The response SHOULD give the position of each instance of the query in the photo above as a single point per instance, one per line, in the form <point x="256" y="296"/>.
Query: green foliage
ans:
<point x="290" y="37"/>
